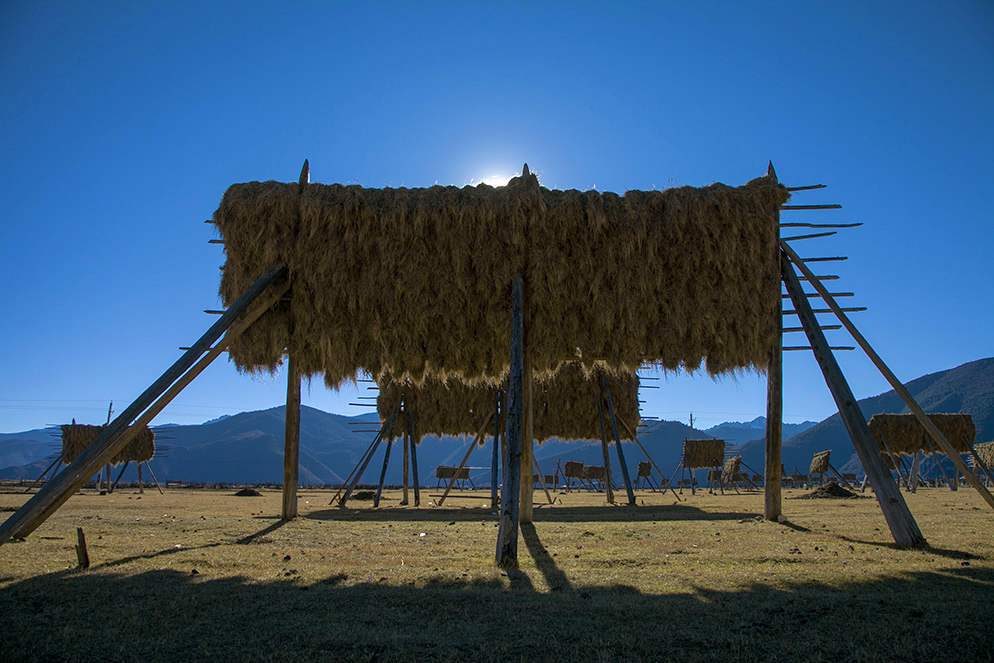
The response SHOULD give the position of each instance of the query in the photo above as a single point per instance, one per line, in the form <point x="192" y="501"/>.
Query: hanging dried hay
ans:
<point x="416" y="282"/>
<point x="819" y="464"/>
<point x="77" y="437"/>
<point x="732" y="468"/>
<point x="905" y="435"/>
<point x="703" y="453"/>
<point x="985" y="450"/>
<point x="565" y="405"/>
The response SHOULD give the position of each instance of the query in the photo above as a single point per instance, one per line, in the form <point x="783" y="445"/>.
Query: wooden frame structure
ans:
<point x="515" y="507"/>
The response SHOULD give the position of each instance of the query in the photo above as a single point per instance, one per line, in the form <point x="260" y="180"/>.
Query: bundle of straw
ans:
<point x="819" y="464"/>
<point x="416" y="282"/>
<point x="985" y="450"/>
<point x="703" y="453"/>
<point x="77" y="437"/>
<point x="905" y="435"/>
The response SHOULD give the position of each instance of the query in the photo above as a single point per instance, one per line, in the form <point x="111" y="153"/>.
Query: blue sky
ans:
<point x="122" y="123"/>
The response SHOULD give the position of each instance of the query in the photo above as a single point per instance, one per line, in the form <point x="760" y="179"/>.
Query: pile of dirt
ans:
<point x="363" y="495"/>
<point x="248" y="492"/>
<point x="831" y="491"/>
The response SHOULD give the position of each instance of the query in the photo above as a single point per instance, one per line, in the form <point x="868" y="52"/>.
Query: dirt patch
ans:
<point x="363" y="495"/>
<point x="248" y="492"/>
<point x="830" y="491"/>
<point x="5" y="509"/>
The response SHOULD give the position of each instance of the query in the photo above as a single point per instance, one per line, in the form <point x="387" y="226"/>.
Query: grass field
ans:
<point x="201" y="574"/>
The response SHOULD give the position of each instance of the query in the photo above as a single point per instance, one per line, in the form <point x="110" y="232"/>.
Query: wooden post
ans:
<point x="82" y="556"/>
<point x="897" y="385"/>
<point x="386" y="462"/>
<point x="141" y="486"/>
<point x="662" y="477"/>
<point x="617" y="441"/>
<point x="527" y="444"/>
<point x="42" y="475"/>
<point x="152" y="474"/>
<point x="369" y="450"/>
<point x="938" y="461"/>
<point x="914" y="472"/>
<point x="773" y="488"/>
<point x="608" y="488"/>
<point x="541" y="481"/>
<point x="902" y="524"/>
<point x="414" y="456"/>
<point x="291" y="442"/>
<point x="496" y="453"/>
<point x="117" y="435"/>
<point x="407" y="464"/>
<point x="510" y="495"/>
<point x="478" y="439"/>
<point x="387" y="429"/>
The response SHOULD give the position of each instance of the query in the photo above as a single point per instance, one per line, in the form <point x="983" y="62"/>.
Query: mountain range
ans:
<point x="248" y="447"/>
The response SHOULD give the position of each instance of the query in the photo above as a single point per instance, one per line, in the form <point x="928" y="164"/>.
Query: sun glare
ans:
<point x="494" y="180"/>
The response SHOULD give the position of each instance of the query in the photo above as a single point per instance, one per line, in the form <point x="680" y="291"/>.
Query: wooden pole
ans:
<point x="141" y="485"/>
<point x="938" y="461"/>
<point x="541" y="480"/>
<point x="608" y="488"/>
<point x="367" y="452"/>
<point x="902" y="524"/>
<point x="414" y="456"/>
<point x="476" y="440"/>
<point x="495" y="461"/>
<point x="527" y="444"/>
<point x="119" y="433"/>
<point x="42" y="475"/>
<point x="152" y="474"/>
<point x="82" y="556"/>
<point x="510" y="495"/>
<point x="617" y="441"/>
<point x="386" y="462"/>
<point x="897" y="385"/>
<point x="773" y="487"/>
<point x="896" y="463"/>
<point x="914" y="472"/>
<point x="387" y="429"/>
<point x="662" y="476"/>
<point x="291" y="442"/>
<point x="407" y="465"/>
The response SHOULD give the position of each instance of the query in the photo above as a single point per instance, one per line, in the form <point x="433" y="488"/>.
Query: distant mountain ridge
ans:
<point x="248" y="447"/>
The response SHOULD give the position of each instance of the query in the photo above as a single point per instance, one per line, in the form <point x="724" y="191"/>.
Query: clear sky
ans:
<point x="122" y="123"/>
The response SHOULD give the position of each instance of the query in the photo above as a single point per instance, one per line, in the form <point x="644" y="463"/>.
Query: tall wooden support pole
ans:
<point x="528" y="443"/>
<point x="477" y="440"/>
<point x="902" y="524"/>
<point x="495" y="462"/>
<point x="291" y="442"/>
<point x="141" y="485"/>
<point x="414" y="456"/>
<point x="291" y="439"/>
<point x="383" y="472"/>
<point x="608" y="488"/>
<point x="897" y="385"/>
<point x="772" y="490"/>
<point x="118" y="434"/>
<point x="510" y="495"/>
<point x="617" y="441"/>
<point x="407" y="464"/>
<point x="386" y="430"/>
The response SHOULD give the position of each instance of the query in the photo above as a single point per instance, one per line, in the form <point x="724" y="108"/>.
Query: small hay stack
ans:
<point x="415" y="283"/>
<point x="985" y="450"/>
<point x="565" y="405"/>
<point x="905" y="435"/>
<point x="732" y="469"/>
<point x="699" y="454"/>
<point x="77" y="437"/>
<point x="819" y="464"/>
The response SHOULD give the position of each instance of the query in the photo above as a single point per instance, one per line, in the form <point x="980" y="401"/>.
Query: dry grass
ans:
<point x="699" y="454"/>
<point x="820" y="463"/>
<point x="416" y="282"/>
<point x="198" y="574"/>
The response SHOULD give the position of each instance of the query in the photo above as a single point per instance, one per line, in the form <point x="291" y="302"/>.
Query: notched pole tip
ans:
<point x="305" y="174"/>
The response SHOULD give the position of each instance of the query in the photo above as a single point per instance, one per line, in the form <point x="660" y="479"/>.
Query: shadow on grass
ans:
<point x="169" y="615"/>
<point x="549" y="514"/>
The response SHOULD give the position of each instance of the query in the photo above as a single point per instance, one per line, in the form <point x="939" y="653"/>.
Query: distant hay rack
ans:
<point x="77" y="437"/>
<point x="703" y="453"/>
<point x="820" y="463"/>
<point x="905" y="435"/>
